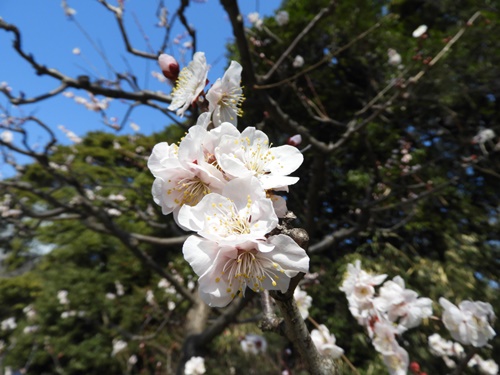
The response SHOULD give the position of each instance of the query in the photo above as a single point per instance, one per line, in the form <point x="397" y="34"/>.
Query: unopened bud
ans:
<point x="169" y="66"/>
<point x="295" y="140"/>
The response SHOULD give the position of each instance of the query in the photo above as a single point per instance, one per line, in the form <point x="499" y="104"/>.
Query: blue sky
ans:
<point x="51" y="37"/>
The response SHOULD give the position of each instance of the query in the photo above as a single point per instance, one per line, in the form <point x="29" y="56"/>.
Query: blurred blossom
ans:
<point x="419" y="31"/>
<point x="483" y="136"/>
<point x="195" y="366"/>
<point x="6" y="136"/>
<point x="298" y="62"/>
<point x="113" y="212"/>
<point x="8" y="324"/>
<point x="110" y="296"/>
<point x="159" y="77"/>
<point x="255" y="20"/>
<point x="282" y="18"/>
<point x="62" y="296"/>
<point x="117" y="197"/>
<point x="135" y="127"/>
<point x="119" y="288"/>
<point x="469" y="323"/>
<point x="486" y="367"/>
<point x="406" y="158"/>
<point x="30" y="329"/>
<point x="132" y="360"/>
<point x="303" y="300"/>
<point x="118" y="346"/>
<point x="171" y="305"/>
<point x="76" y="51"/>
<point x="254" y="344"/>
<point x="150" y="297"/>
<point x="394" y="57"/>
<point x="325" y="342"/>
<point x="30" y="312"/>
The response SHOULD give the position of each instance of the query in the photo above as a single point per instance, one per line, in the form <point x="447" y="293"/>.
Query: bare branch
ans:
<point x="323" y="12"/>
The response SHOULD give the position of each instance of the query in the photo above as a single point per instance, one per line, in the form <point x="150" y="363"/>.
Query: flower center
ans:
<point x="193" y="190"/>
<point x="228" y="221"/>
<point x="249" y="269"/>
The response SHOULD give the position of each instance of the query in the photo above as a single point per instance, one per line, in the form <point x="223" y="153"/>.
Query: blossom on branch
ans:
<point x="226" y="95"/>
<point x="192" y="79"/>
<point x="325" y="342"/>
<point x="251" y="154"/>
<point x="241" y="213"/>
<point x="469" y="323"/>
<point x="225" y="271"/>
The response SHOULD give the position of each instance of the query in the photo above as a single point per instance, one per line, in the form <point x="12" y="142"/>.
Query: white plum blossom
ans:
<point x="403" y="304"/>
<point x="298" y="61"/>
<point x="118" y="346"/>
<point x="195" y="366"/>
<point x="239" y="214"/>
<point x="226" y="95"/>
<point x="225" y="271"/>
<point x="397" y="362"/>
<point x="250" y="154"/>
<point x="253" y="344"/>
<point x="419" y="31"/>
<point x="325" y="342"/>
<point x="303" y="301"/>
<point x="192" y="79"/>
<point x="469" y="323"/>
<point x="282" y="17"/>
<point x="440" y="347"/>
<point x="358" y="285"/>
<point x="486" y="367"/>
<point x="186" y="173"/>
<point x="384" y="337"/>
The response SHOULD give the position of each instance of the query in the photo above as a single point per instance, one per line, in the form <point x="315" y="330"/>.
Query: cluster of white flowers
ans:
<point x="469" y="323"/>
<point x="6" y="209"/>
<point x="387" y="315"/>
<point x="71" y="135"/>
<point x="195" y="366"/>
<point x="8" y="324"/>
<point x="223" y="184"/>
<point x="325" y="342"/>
<point x="452" y="352"/>
<point x="92" y="104"/>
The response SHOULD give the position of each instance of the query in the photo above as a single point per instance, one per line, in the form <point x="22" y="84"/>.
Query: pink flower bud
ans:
<point x="294" y="140"/>
<point x="169" y="66"/>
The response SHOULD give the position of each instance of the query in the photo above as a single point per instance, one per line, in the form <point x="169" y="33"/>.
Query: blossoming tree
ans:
<point x="328" y="204"/>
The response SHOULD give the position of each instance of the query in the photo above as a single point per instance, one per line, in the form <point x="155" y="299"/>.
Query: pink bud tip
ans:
<point x="169" y="66"/>
<point x="294" y="140"/>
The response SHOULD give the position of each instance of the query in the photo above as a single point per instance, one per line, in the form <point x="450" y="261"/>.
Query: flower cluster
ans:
<point x="223" y="185"/>
<point x="385" y="315"/>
